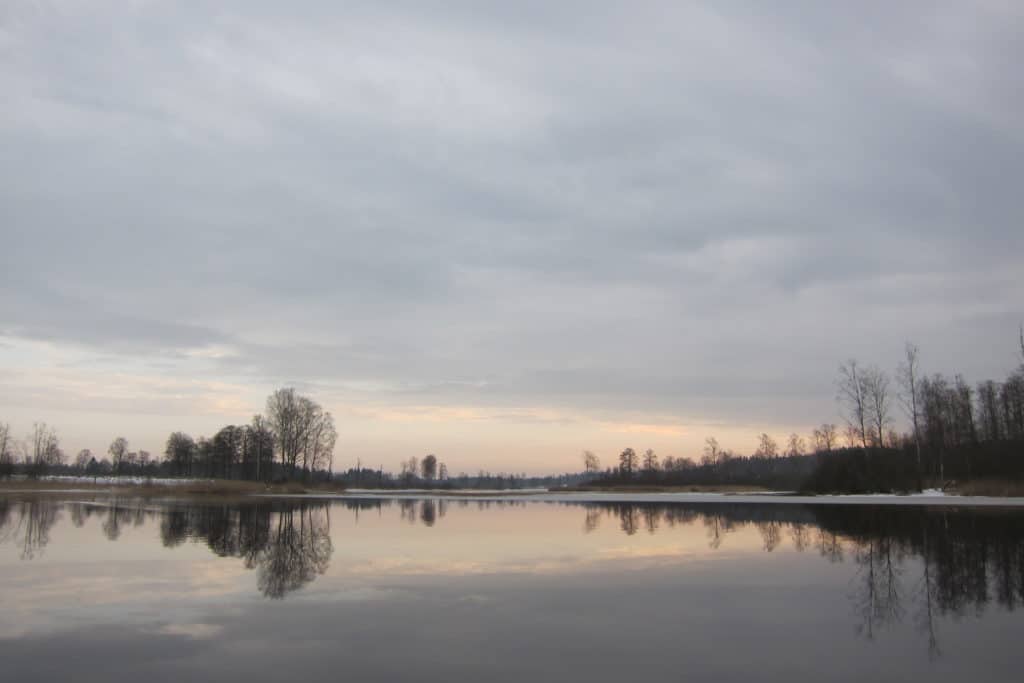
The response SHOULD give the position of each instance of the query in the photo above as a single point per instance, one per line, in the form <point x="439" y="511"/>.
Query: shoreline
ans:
<point x="200" y="490"/>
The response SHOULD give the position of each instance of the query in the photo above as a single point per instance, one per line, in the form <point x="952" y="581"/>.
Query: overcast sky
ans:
<point x="500" y="232"/>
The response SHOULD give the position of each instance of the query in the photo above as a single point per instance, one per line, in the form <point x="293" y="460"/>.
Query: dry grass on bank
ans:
<point x="717" y="488"/>
<point x="998" y="488"/>
<point x="218" y="488"/>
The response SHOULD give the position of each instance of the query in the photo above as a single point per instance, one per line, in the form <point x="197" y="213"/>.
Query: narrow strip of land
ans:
<point x="198" y="489"/>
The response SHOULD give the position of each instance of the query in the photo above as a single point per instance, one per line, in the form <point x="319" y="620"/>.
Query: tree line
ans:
<point x="295" y="439"/>
<point x="956" y="432"/>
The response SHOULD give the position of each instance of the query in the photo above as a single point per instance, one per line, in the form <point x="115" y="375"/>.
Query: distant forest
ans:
<point x="957" y="433"/>
<point x="293" y="441"/>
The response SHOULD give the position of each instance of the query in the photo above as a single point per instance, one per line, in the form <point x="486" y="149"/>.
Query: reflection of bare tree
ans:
<point x="679" y="514"/>
<point x="360" y="505"/>
<point x="771" y="533"/>
<point x="830" y="545"/>
<point x="253" y="532"/>
<point x="878" y="601"/>
<point x="1009" y="573"/>
<point x="629" y="519"/>
<point x="289" y="543"/>
<point x="968" y="556"/>
<point x="37" y="518"/>
<point x="27" y="524"/>
<point x="120" y="514"/>
<point x="800" y="535"/>
<point x="407" y="508"/>
<point x="926" y="591"/>
<point x="428" y="512"/>
<point x="713" y="523"/>
<point x="652" y="515"/>
<point x="175" y="525"/>
<point x="78" y="514"/>
<point x="6" y="527"/>
<point x="299" y="549"/>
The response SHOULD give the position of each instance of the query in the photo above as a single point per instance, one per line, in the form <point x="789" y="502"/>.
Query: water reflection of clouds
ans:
<point x="46" y="597"/>
<point x="593" y="560"/>
<point x="903" y="564"/>
<point x="192" y="630"/>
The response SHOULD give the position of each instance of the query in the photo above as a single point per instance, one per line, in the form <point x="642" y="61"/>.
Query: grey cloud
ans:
<point x="587" y="204"/>
<point x="50" y="316"/>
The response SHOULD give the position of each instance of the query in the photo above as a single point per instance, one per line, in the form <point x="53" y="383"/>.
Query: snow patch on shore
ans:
<point x="122" y="481"/>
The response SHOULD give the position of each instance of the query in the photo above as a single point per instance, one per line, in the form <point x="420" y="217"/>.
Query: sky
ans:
<point x="500" y="232"/>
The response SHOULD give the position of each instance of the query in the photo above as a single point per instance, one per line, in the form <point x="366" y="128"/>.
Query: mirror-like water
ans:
<point x="438" y="589"/>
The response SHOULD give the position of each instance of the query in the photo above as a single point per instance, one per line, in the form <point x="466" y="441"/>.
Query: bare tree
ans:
<point x="967" y="429"/>
<point x="714" y="455"/>
<point x="180" y="453"/>
<point x="6" y="450"/>
<point x="796" y="446"/>
<point x="907" y="375"/>
<point x="989" y="422"/>
<point x="628" y="462"/>
<point x="825" y="438"/>
<point x="326" y="440"/>
<point x="117" y="451"/>
<point x="766" y="447"/>
<point x="442" y="472"/>
<point x="227" y="445"/>
<point x="712" y="451"/>
<point x="320" y="437"/>
<point x="876" y="389"/>
<point x="853" y="397"/>
<point x="260" y="447"/>
<point x="650" y="461"/>
<point x="591" y="463"/>
<point x="285" y="418"/>
<point x="428" y="467"/>
<point x="304" y="431"/>
<point x="43" y="448"/>
<point x="82" y="459"/>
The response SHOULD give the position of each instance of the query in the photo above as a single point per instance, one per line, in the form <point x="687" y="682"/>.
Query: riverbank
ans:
<point x="689" y="488"/>
<point x="199" y="489"/>
<point x="160" y="487"/>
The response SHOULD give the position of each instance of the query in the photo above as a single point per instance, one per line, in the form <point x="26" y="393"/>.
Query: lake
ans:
<point x="435" y="589"/>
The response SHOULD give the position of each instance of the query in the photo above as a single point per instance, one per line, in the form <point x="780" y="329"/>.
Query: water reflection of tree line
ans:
<point x="289" y="544"/>
<point x="967" y="558"/>
<point x="27" y="524"/>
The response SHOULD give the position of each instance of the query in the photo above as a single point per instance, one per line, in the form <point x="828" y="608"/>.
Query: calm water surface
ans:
<point x="441" y="590"/>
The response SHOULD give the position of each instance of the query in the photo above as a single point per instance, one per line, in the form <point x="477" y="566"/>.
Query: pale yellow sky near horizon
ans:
<point x="89" y="407"/>
<point x="465" y="443"/>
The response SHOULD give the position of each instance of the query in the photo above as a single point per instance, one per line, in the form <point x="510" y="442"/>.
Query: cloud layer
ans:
<point x="670" y="215"/>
